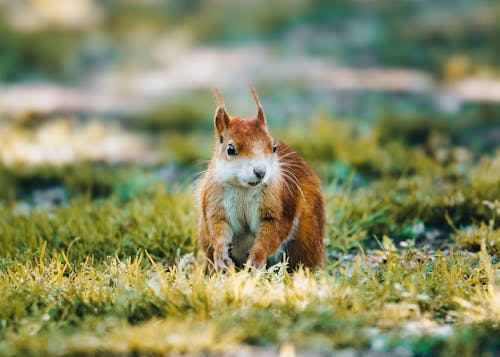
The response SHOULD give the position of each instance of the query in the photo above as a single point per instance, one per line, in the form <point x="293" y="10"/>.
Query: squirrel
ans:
<point x="258" y="198"/>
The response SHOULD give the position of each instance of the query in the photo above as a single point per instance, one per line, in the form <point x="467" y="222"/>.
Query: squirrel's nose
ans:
<point x="259" y="172"/>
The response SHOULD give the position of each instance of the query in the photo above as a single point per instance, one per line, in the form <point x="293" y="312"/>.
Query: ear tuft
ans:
<point x="218" y="98"/>
<point x="221" y="119"/>
<point x="260" y="112"/>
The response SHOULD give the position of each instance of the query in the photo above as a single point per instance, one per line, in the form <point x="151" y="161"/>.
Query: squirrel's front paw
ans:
<point x="221" y="257"/>
<point x="257" y="260"/>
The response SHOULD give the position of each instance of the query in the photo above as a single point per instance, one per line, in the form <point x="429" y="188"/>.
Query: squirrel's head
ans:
<point x="246" y="155"/>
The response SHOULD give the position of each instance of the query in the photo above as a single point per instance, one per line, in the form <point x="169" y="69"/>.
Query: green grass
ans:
<point x="52" y="306"/>
<point x="412" y="245"/>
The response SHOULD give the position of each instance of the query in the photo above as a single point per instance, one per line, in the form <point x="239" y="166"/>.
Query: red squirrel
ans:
<point x="258" y="198"/>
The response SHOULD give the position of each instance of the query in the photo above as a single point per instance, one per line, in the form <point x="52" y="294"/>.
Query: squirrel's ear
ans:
<point x="260" y="112"/>
<point x="221" y="119"/>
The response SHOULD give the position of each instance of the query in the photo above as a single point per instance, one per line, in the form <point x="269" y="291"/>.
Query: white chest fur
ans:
<point x="242" y="209"/>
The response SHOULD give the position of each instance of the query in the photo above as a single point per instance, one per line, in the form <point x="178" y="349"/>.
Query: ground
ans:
<point x="101" y="258"/>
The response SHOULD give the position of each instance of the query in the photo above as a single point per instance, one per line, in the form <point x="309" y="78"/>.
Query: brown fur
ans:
<point x="291" y="215"/>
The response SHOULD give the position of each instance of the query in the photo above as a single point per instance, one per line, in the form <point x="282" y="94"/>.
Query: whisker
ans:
<point x="298" y="187"/>
<point x="200" y="162"/>
<point x="287" y="154"/>
<point x="292" y="168"/>
<point x="198" y="174"/>
<point x="282" y="164"/>
<point x="294" y="181"/>
<point x="286" y="183"/>
<point x="292" y="176"/>
<point x="290" y="159"/>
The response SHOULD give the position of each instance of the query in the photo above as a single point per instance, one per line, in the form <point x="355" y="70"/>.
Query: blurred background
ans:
<point x="105" y="96"/>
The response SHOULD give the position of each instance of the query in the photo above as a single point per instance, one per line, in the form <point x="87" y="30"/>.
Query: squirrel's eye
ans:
<point x="231" y="150"/>
<point x="275" y="146"/>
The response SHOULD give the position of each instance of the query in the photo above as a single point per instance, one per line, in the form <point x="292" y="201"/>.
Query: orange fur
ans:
<point x="290" y="210"/>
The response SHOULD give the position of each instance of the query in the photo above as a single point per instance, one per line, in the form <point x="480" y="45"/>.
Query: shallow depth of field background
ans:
<point x="132" y="81"/>
<point x="106" y="121"/>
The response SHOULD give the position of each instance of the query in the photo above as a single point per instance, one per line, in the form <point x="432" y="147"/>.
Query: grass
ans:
<point x="51" y="306"/>
<point x="108" y="227"/>
<point x="412" y="245"/>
